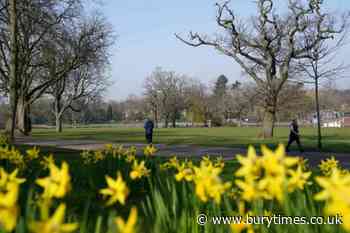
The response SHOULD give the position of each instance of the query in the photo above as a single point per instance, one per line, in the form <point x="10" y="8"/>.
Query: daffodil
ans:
<point x="6" y="178"/>
<point x="8" y="218"/>
<point x="99" y="155"/>
<point x="219" y="162"/>
<point x="149" y="150"/>
<point x="57" y="184"/>
<point x="298" y="179"/>
<point x="32" y="153"/>
<point x="130" y="158"/>
<point x="327" y="166"/>
<point x="8" y="206"/>
<point x="250" y="190"/>
<point x="238" y="227"/>
<point x="46" y="161"/>
<point x="55" y="224"/>
<point x="276" y="163"/>
<point x="184" y="172"/>
<point x="250" y="165"/>
<point x="109" y="148"/>
<point x="335" y="191"/>
<point x="130" y="225"/>
<point x="208" y="184"/>
<point x="139" y="170"/>
<point x="266" y="176"/>
<point x="172" y="163"/>
<point x="117" y="190"/>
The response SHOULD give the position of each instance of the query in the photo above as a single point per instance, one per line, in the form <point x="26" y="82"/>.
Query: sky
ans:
<point x="145" y="39"/>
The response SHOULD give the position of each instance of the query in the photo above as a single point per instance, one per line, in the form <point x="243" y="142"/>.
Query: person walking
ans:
<point x="149" y="125"/>
<point x="294" y="135"/>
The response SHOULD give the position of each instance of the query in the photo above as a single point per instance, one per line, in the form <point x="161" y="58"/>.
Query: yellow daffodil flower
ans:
<point x="139" y="170"/>
<point x="327" y="166"/>
<point x="8" y="206"/>
<point x="297" y="179"/>
<point x="6" y="178"/>
<point x="32" y="153"/>
<point x="117" y="190"/>
<point x="242" y="226"/>
<point x="208" y="183"/>
<point x="149" y="150"/>
<point x="336" y="189"/>
<point x="57" y="184"/>
<point x="184" y="172"/>
<point x="250" y="165"/>
<point x="46" y="161"/>
<point x="130" y="225"/>
<point x="54" y="224"/>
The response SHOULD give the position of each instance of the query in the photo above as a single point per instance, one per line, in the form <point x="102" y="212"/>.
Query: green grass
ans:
<point x="334" y="140"/>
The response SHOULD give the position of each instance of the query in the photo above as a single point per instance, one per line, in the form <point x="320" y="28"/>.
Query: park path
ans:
<point x="179" y="150"/>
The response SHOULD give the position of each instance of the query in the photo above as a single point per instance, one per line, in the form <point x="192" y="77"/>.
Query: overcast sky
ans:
<point x="146" y="28"/>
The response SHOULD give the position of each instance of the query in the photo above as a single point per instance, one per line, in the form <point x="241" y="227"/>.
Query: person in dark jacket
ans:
<point x="149" y="130"/>
<point x="294" y="135"/>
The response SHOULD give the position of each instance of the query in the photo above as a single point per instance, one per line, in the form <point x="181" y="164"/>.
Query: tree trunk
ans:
<point x="166" y="123"/>
<point x="13" y="67"/>
<point x="174" y="122"/>
<point x="155" y="113"/>
<point x="58" y="124"/>
<point x="58" y="114"/>
<point x="319" y="135"/>
<point x="23" y="116"/>
<point x="269" y="122"/>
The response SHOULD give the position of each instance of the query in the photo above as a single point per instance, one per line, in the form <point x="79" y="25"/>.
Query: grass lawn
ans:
<point x="334" y="140"/>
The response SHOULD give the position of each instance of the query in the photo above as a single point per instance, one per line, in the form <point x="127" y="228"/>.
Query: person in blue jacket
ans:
<point x="149" y="125"/>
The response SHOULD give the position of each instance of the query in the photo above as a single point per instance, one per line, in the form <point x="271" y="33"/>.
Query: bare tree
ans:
<point x="12" y="73"/>
<point x="266" y="48"/>
<point x="319" y="65"/>
<point x="87" y="78"/>
<point x="165" y="92"/>
<point x="240" y="99"/>
<point x="36" y="22"/>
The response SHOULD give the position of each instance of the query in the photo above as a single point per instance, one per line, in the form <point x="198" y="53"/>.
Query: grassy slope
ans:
<point x="334" y="140"/>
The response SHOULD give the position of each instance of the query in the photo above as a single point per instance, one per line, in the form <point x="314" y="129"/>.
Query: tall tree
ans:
<point x="165" y="91"/>
<point x="13" y="76"/>
<point x="319" y="65"/>
<point x="109" y="113"/>
<point x="89" y="47"/>
<point x="38" y="23"/>
<point x="220" y="86"/>
<point x="266" y="48"/>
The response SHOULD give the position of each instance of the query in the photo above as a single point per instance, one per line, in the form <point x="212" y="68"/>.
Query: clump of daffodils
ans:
<point x="269" y="176"/>
<point x="93" y="157"/>
<point x="208" y="184"/>
<point x="335" y="191"/>
<point x="12" y="155"/>
<point x="9" y="191"/>
<point x="117" y="190"/>
<point x="327" y="166"/>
